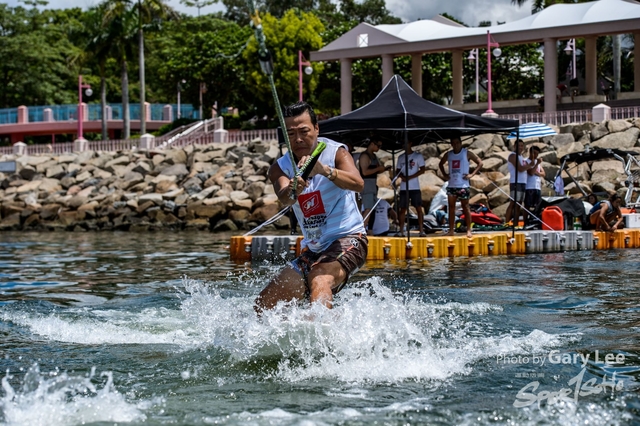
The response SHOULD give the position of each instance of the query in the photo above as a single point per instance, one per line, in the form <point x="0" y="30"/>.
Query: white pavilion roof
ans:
<point x="560" y="21"/>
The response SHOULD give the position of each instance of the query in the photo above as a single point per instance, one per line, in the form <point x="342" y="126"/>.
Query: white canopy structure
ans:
<point x="555" y="23"/>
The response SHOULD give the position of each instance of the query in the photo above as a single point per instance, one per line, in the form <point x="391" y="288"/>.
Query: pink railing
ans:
<point x="199" y="137"/>
<point x="560" y="118"/>
<point x="239" y="136"/>
<point x="113" y="145"/>
<point x="625" y="112"/>
<point x="557" y="118"/>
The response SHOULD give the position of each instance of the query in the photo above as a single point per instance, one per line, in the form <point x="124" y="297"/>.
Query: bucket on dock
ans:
<point x="552" y="219"/>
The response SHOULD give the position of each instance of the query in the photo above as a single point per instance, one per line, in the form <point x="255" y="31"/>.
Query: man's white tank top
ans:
<point x="522" y="176"/>
<point x="458" y="167"/>
<point x="324" y="211"/>
<point x="534" y="181"/>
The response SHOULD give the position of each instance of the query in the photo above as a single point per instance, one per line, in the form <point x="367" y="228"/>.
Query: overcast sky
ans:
<point x="471" y="12"/>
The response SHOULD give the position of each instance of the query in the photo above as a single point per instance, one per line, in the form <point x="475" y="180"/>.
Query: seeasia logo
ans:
<point x="311" y="204"/>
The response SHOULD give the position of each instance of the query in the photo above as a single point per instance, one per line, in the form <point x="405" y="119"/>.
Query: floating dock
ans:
<point x="257" y="248"/>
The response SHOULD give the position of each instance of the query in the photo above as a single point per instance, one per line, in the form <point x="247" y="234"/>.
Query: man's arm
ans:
<point x="519" y="166"/>
<point x="344" y="175"/>
<point x="365" y="163"/>
<point x="420" y="171"/>
<point x="473" y="157"/>
<point x="443" y="161"/>
<point x="602" y="216"/>
<point x="282" y="184"/>
<point x="393" y="215"/>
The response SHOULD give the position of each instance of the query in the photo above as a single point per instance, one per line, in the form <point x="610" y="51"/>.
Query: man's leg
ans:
<point x="286" y="286"/>
<point x="452" y="216"/>
<point x="509" y="212"/>
<point x="516" y="207"/>
<point x="323" y="278"/>
<point x="527" y="203"/>
<point x="404" y="206"/>
<point x="420" y="219"/>
<point x="467" y="215"/>
<point x="401" y="217"/>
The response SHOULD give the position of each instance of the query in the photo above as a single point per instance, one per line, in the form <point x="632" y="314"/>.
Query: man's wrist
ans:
<point x="333" y="174"/>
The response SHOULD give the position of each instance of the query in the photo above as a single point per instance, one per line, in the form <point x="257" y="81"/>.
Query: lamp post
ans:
<point x="473" y="57"/>
<point x="88" y="92"/>
<point x="180" y="83"/>
<point x="496" y="52"/>
<point x="571" y="50"/>
<point x="203" y="90"/>
<point x="307" y="70"/>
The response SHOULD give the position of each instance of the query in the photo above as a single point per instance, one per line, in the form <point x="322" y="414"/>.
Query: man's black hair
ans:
<point x="299" y="108"/>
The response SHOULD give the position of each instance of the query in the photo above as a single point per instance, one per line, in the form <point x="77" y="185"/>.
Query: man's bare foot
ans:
<point x="469" y="234"/>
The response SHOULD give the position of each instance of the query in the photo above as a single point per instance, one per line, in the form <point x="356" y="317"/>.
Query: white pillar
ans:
<point x="80" y="145"/>
<point x="601" y="113"/>
<point x="167" y="113"/>
<point x="416" y="72"/>
<point x="591" y="69"/>
<point x="457" y="76"/>
<point x="345" y="86"/>
<point x="221" y="135"/>
<point x="550" y="74"/>
<point x="147" y="142"/>
<point x="387" y="69"/>
<point x="20" y="148"/>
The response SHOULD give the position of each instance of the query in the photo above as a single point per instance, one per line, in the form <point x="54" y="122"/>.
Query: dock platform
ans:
<point x="256" y="248"/>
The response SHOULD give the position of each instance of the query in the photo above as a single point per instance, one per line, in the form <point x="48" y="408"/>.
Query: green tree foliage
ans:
<point x="203" y="49"/>
<point x="538" y="5"/>
<point x="296" y="30"/>
<point x="373" y="12"/>
<point x="36" y="56"/>
<point x="198" y="3"/>
<point x="367" y="74"/>
<point x="518" y="72"/>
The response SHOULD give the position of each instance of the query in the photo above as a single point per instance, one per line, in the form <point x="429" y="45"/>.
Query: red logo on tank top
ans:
<point x="311" y="204"/>
<point x="455" y="164"/>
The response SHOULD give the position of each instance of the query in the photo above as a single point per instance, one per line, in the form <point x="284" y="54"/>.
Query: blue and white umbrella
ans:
<point x="533" y="130"/>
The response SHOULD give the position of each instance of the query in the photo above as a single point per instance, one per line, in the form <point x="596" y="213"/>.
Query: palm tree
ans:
<point x="99" y="49"/>
<point x="198" y="3"/>
<point x="538" y="5"/>
<point x="120" y="24"/>
<point x="149" y="13"/>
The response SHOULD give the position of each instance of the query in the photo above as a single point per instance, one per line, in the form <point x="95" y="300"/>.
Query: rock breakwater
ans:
<point x="222" y="187"/>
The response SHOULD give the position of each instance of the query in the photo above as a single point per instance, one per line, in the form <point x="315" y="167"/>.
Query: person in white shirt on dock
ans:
<point x="533" y="189"/>
<point x="458" y="180"/>
<point x="517" y="180"/>
<point x="410" y="187"/>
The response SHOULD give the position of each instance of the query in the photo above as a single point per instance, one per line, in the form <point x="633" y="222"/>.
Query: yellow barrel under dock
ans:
<point x="253" y="248"/>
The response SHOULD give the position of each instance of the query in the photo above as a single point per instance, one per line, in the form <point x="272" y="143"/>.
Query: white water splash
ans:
<point x="94" y="327"/>
<point x="61" y="399"/>
<point x="371" y="335"/>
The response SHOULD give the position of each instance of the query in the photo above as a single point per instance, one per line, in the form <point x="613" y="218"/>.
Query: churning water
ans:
<point x="106" y="328"/>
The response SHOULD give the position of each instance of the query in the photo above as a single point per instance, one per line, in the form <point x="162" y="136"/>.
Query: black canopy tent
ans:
<point x="399" y="109"/>
<point x="399" y="113"/>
